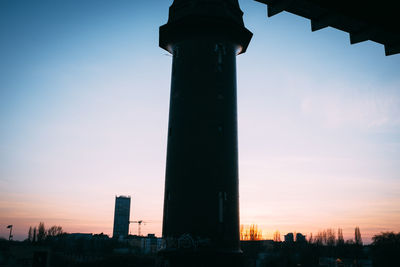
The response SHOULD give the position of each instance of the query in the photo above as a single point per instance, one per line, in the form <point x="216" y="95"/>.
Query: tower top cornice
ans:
<point x="227" y="10"/>
<point x="193" y="17"/>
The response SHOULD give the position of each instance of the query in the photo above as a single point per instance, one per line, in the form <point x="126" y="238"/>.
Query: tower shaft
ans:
<point x="201" y="202"/>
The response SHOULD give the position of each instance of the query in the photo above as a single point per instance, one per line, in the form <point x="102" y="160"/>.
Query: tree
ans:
<point x="34" y="234"/>
<point x="330" y="237"/>
<point x="310" y="239"/>
<point x="30" y="234"/>
<point x="385" y="249"/>
<point x="54" y="231"/>
<point x="340" y="239"/>
<point x="324" y="237"/>
<point x="41" y="235"/>
<point x="242" y="233"/>
<point x="357" y="236"/>
<point x="253" y="233"/>
<point x="319" y="238"/>
<point x="277" y="236"/>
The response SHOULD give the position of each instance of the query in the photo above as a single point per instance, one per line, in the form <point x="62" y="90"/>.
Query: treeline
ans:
<point x="326" y="246"/>
<point x="385" y="249"/>
<point x="40" y="233"/>
<point x="250" y="233"/>
<point x="328" y="237"/>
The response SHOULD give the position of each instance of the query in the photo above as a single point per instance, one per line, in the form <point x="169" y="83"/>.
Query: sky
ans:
<point x="84" y="98"/>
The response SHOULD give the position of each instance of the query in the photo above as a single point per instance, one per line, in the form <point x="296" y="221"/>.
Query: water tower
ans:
<point x="201" y="201"/>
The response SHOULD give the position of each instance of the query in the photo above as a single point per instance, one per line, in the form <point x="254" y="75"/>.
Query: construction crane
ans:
<point x="139" y="224"/>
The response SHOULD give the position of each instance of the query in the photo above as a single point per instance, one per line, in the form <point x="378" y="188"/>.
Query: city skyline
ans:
<point x="84" y="113"/>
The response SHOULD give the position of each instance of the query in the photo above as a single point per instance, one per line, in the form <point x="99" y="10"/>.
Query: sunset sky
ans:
<point x="84" y="95"/>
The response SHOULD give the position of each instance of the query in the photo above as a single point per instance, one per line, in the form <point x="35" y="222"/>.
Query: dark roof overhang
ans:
<point x="378" y="21"/>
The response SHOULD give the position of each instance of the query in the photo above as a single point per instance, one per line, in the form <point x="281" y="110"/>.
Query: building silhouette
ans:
<point x="289" y="238"/>
<point x="121" y="216"/>
<point x="363" y="20"/>
<point x="300" y="238"/>
<point x="201" y="197"/>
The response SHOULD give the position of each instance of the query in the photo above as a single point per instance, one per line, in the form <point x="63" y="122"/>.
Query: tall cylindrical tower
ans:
<point x="201" y="202"/>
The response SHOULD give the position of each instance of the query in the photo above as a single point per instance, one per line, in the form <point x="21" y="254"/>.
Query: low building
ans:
<point x="289" y="238"/>
<point x="149" y="244"/>
<point x="300" y="238"/>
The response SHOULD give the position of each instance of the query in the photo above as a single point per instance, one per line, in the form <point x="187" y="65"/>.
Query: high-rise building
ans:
<point x="121" y="216"/>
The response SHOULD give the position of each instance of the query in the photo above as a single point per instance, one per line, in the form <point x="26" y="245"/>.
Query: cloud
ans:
<point x="354" y="108"/>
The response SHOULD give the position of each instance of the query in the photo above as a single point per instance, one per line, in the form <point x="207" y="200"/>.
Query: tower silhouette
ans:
<point x="201" y="200"/>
